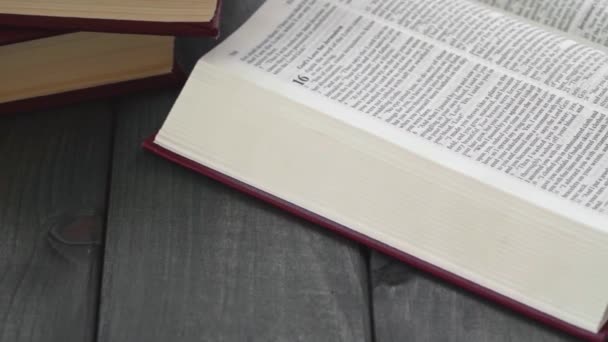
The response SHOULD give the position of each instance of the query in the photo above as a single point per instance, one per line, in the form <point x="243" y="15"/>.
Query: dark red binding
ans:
<point x="12" y="35"/>
<point x="174" y="79"/>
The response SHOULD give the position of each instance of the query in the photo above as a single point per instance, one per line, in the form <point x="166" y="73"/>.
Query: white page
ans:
<point x="420" y="75"/>
<point x="587" y="19"/>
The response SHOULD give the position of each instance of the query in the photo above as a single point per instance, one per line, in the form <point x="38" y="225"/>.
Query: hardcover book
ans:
<point x="468" y="138"/>
<point x="170" y="17"/>
<point x="42" y="69"/>
<point x="10" y="35"/>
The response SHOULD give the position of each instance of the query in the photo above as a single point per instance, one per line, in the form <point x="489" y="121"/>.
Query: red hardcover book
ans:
<point x="176" y="17"/>
<point x="11" y="35"/>
<point x="49" y="69"/>
<point x="443" y="158"/>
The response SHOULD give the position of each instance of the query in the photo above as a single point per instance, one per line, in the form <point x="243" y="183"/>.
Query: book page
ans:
<point x="584" y="18"/>
<point x="505" y="94"/>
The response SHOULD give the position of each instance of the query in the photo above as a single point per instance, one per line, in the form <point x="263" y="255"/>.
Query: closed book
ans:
<point x="462" y="139"/>
<point x="171" y="17"/>
<point x="10" y="35"/>
<point x="50" y="69"/>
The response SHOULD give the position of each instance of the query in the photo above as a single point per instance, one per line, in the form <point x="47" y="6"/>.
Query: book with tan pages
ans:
<point x="43" y="69"/>
<point x="159" y="17"/>
<point x="467" y="138"/>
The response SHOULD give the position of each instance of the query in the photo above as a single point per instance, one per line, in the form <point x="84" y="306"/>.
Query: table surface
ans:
<point x="101" y="241"/>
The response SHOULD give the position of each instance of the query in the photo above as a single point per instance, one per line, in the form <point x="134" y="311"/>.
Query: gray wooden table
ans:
<point x="100" y="241"/>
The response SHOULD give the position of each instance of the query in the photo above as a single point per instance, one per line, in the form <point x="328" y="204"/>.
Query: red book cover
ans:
<point x="12" y="35"/>
<point x="210" y="28"/>
<point x="175" y="78"/>
<point x="379" y="246"/>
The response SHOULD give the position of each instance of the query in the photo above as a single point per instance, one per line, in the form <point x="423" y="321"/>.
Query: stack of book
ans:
<point x="60" y="51"/>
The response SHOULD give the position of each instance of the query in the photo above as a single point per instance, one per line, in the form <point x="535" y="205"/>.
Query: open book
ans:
<point x="468" y="138"/>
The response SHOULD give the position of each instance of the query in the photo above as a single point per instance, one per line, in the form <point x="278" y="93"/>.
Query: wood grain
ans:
<point x="411" y="306"/>
<point x="189" y="259"/>
<point x="53" y="192"/>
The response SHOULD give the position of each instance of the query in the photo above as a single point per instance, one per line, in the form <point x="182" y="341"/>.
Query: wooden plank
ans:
<point x="187" y="257"/>
<point x="52" y="202"/>
<point x="190" y="259"/>
<point x="411" y="306"/>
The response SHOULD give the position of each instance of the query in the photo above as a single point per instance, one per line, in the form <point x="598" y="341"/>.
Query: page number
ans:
<point x="301" y="80"/>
